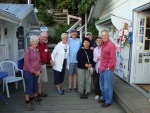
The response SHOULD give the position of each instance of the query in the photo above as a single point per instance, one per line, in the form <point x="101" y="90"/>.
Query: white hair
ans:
<point x="43" y="32"/>
<point x="105" y="31"/>
<point x="64" y="35"/>
<point x="34" y="37"/>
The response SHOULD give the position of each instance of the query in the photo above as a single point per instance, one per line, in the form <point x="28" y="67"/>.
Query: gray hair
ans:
<point x="43" y="32"/>
<point x="64" y="34"/>
<point x="34" y="37"/>
<point x="105" y="31"/>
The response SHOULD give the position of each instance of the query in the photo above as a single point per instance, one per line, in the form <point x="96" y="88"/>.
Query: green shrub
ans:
<point x="45" y="17"/>
<point x="92" y="28"/>
<point x="61" y="28"/>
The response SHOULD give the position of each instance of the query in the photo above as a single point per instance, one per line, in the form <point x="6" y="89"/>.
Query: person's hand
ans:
<point x="90" y="65"/>
<point x="86" y="65"/>
<point x="35" y="73"/>
<point x="38" y="73"/>
<point x="92" y="48"/>
<point x="51" y="62"/>
<point x="99" y="58"/>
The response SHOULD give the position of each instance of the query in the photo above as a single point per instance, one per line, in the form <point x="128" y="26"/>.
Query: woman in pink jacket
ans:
<point x="31" y="71"/>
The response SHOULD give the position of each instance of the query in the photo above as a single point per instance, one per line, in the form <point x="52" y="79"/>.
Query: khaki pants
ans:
<point x="84" y="80"/>
<point x="43" y="76"/>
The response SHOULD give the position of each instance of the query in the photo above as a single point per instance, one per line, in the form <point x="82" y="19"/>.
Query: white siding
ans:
<point x="122" y="8"/>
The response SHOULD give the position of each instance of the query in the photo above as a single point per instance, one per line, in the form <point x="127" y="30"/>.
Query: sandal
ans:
<point x="69" y="90"/>
<point x="37" y="99"/>
<point x="42" y="95"/>
<point x="76" y="89"/>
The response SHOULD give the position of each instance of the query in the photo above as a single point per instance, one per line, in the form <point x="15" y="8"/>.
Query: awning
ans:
<point x="118" y="22"/>
<point x="103" y="20"/>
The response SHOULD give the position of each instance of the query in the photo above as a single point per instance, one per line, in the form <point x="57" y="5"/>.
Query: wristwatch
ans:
<point x="107" y="68"/>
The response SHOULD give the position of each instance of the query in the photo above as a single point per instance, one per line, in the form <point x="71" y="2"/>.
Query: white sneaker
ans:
<point x="96" y="97"/>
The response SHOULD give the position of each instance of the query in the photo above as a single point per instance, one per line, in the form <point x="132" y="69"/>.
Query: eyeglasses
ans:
<point x="43" y="36"/>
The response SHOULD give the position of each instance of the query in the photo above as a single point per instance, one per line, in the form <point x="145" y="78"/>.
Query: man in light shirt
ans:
<point x="74" y="45"/>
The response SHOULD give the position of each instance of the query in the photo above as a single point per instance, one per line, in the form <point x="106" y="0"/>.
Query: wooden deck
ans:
<point x="55" y="103"/>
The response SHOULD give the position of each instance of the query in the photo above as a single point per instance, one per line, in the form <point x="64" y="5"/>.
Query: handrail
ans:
<point x="76" y="24"/>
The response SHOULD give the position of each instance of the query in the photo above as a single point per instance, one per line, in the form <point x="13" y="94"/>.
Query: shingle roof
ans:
<point x="15" y="9"/>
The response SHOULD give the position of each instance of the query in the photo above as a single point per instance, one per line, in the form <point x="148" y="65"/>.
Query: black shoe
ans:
<point x="82" y="96"/>
<point x="101" y="101"/>
<point x="105" y="105"/>
<point x="86" y="96"/>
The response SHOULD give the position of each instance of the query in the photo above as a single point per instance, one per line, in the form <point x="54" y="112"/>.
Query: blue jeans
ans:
<point x="106" y="85"/>
<point x="31" y="83"/>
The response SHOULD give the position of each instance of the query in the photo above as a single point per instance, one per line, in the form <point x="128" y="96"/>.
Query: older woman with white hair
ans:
<point x="31" y="71"/>
<point x="60" y="58"/>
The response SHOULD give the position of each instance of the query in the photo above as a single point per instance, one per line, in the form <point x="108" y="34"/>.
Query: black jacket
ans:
<point x="82" y="58"/>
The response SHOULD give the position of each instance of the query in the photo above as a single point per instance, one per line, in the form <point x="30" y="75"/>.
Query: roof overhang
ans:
<point x="9" y="17"/>
<point x="15" y="16"/>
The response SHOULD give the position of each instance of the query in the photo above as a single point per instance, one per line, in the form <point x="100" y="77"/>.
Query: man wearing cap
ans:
<point x="74" y="45"/>
<point x="92" y="44"/>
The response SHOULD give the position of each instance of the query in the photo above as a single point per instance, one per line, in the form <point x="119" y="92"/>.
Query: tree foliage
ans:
<point x="61" y="28"/>
<point x="80" y="5"/>
<point x="85" y="5"/>
<point x="92" y="27"/>
<point x="43" y="15"/>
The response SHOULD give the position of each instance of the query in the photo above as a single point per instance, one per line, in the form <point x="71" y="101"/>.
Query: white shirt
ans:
<point x="65" y="49"/>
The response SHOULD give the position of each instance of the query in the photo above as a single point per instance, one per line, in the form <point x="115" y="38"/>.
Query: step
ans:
<point x="59" y="14"/>
<point x="128" y="107"/>
<point x="60" y="18"/>
<point x="129" y="98"/>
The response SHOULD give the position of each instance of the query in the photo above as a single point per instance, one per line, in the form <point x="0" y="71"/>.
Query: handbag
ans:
<point x="91" y="70"/>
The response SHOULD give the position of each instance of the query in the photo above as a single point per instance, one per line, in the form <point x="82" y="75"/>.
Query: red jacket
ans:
<point x="108" y="54"/>
<point x="44" y="53"/>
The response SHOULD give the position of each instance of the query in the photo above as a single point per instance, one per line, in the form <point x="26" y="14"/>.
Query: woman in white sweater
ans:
<point x="60" y="58"/>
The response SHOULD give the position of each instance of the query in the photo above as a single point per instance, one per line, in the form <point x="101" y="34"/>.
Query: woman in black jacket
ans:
<point x="85" y="61"/>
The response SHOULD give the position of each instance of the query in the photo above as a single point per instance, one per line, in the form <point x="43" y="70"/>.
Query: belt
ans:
<point x="43" y="63"/>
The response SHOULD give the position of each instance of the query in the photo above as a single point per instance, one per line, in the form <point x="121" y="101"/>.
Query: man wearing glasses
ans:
<point x="45" y="57"/>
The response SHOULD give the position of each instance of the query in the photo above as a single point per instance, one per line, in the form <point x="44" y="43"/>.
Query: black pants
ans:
<point x="59" y="76"/>
<point x="96" y="84"/>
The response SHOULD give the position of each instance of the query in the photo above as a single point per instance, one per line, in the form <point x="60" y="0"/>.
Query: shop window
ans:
<point x="147" y="34"/>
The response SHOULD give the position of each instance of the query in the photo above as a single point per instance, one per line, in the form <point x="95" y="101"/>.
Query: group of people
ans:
<point x="78" y="58"/>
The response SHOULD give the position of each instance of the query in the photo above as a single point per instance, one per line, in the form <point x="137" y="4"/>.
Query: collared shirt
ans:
<point x="74" y="46"/>
<point x="44" y="53"/>
<point x="96" y="55"/>
<point x="32" y="61"/>
<point x="108" y="54"/>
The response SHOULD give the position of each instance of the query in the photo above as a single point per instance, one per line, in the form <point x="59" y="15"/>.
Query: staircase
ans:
<point x="60" y="15"/>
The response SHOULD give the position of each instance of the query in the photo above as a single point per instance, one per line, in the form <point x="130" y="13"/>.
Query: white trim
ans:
<point x="9" y="19"/>
<point x="91" y="12"/>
